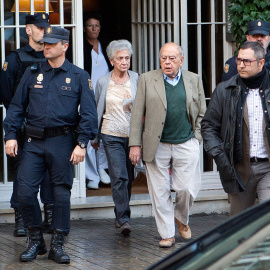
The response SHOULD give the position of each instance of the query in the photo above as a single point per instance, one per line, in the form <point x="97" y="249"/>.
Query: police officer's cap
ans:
<point x="258" y="27"/>
<point x="39" y="19"/>
<point x="53" y="34"/>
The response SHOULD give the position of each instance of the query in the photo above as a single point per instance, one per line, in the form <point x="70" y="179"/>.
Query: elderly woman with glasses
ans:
<point x="115" y="93"/>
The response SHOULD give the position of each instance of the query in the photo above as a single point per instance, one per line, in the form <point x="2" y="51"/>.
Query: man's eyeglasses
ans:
<point x="93" y="25"/>
<point x="164" y="58"/>
<point x="246" y="62"/>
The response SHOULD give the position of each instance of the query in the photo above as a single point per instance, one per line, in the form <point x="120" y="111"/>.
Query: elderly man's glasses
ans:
<point x="246" y="62"/>
<point x="164" y="58"/>
<point x="93" y="25"/>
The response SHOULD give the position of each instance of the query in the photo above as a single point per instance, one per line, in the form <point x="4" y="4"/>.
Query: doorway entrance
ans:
<point x="116" y="17"/>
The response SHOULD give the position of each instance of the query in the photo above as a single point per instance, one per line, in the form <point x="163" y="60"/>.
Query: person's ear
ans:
<point x="66" y="45"/>
<point x="111" y="61"/>
<point x="28" y="30"/>
<point x="261" y="62"/>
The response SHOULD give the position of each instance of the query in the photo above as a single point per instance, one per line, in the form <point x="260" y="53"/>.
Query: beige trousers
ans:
<point x="184" y="161"/>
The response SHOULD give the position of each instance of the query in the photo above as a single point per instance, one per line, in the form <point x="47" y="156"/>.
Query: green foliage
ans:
<point x="243" y="11"/>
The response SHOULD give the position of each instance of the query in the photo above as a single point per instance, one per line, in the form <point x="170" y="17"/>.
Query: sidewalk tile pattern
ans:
<point x="98" y="245"/>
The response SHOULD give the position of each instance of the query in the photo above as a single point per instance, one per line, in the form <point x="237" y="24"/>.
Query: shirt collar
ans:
<point x="63" y="67"/>
<point x="166" y="78"/>
<point x="28" y="48"/>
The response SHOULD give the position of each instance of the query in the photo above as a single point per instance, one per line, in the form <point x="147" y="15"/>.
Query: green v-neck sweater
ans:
<point x="177" y="128"/>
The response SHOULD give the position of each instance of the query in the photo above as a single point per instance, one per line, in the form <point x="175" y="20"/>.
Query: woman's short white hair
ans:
<point x="118" y="45"/>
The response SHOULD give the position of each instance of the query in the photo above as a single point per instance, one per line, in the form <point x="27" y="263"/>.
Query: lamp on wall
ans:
<point x="39" y="6"/>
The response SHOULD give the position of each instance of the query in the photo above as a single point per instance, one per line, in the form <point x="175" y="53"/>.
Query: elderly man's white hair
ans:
<point x="181" y="51"/>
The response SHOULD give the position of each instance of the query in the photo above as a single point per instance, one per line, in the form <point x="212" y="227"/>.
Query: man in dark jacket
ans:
<point x="235" y="130"/>
<point x="257" y="31"/>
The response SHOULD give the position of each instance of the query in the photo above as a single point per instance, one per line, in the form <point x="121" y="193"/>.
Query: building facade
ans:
<point x="199" y="26"/>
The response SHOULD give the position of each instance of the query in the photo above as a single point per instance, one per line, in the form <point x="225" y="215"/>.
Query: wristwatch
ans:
<point x="82" y="145"/>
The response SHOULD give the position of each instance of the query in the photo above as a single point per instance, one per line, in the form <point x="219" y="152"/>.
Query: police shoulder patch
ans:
<point x="34" y="68"/>
<point x="90" y="84"/>
<point x="226" y="68"/>
<point x="5" y="66"/>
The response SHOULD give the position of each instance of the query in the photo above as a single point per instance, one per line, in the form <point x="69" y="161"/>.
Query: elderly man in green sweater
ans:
<point x="165" y="123"/>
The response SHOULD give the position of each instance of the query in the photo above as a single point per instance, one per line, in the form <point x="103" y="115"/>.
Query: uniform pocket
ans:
<point x="68" y="93"/>
<point x="36" y="91"/>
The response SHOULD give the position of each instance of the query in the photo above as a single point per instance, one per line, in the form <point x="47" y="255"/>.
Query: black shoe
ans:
<point x="36" y="245"/>
<point x="19" y="227"/>
<point x="116" y="224"/>
<point x="125" y="229"/>
<point x="57" y="252"/>
<point x="48" y="213"/>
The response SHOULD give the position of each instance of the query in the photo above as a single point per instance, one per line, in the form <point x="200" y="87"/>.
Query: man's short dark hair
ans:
<point x="92" y="15"/>
<point x="65" y="42"/>
<point x="258" y="49"/>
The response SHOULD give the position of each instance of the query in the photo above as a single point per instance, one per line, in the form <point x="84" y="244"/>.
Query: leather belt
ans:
<point x="256" y="159"/>
<point x="53" y="132"/>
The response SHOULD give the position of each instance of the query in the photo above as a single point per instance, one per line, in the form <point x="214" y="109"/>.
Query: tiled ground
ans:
<point x="97" y="244"/>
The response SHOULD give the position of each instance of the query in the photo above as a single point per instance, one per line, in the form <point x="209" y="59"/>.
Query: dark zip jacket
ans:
<point x="218" y="130"/>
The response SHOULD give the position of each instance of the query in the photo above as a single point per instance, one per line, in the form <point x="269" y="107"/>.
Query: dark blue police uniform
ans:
<point x="13" y="69"/>
<point x="10" y="76"/>
<point x="49" y="98"/>
<point x="52" y="97"/>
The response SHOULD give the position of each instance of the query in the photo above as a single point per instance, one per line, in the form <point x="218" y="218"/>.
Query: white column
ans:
<point x="184" y="32"/>
<point x="79" y="188"/>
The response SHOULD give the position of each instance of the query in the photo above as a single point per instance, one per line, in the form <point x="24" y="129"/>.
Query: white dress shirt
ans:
<point x="99" y="66"/>
<point x="255" y="119"/>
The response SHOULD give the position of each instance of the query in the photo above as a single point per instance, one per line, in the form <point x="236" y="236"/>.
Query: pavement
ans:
<point x="98" y="245"/>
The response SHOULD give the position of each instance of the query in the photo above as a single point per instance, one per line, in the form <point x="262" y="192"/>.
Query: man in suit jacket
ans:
<point x="171" y="101"/>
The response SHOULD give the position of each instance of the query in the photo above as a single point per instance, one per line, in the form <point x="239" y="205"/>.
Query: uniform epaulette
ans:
<point x="34" y="68"/>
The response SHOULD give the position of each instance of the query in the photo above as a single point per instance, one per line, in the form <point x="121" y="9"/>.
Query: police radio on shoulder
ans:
<point x="82" y="145"/>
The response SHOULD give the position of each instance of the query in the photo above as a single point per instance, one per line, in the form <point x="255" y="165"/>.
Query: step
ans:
<point x="98" y="207"/>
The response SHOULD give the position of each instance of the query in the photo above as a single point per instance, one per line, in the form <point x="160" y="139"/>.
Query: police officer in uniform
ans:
<point x="51" y="92"/>
<point x="12" y="72"/>
<point x="257" y="31"/>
